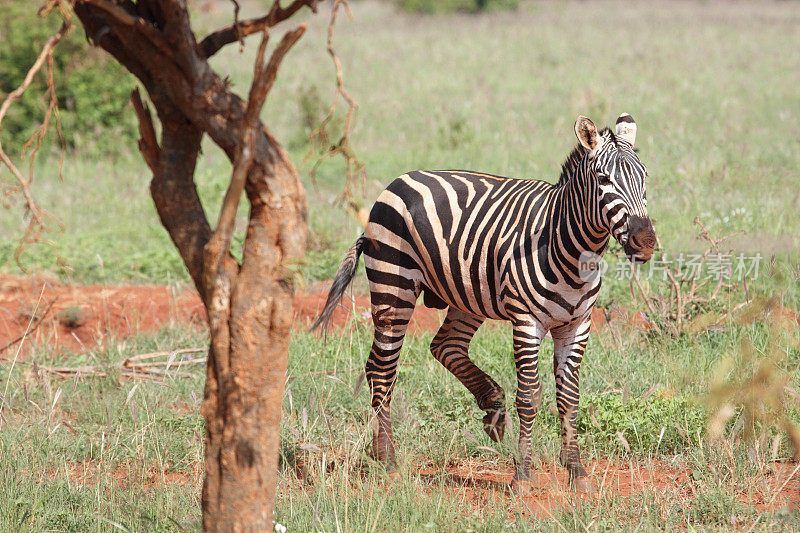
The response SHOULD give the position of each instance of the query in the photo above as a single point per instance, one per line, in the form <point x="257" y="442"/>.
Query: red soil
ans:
<point x="476" y="482"/>
<point x="479" y="485"/>
<point x="92" y="473"/>
<point x="78" y="318"/>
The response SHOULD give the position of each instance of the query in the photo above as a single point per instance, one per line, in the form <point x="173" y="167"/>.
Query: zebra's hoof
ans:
<point x="394" y="477"/>
<point x="521" y="487"/>
<point x="582" y="485"/>
<point x="494" y="424"/>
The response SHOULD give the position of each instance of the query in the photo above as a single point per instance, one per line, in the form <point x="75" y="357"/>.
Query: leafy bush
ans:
<point x="92" y="89"/>
<point x="453" y="6"/>
<point x="636" y="425"/>
<point x="640" y="422"/>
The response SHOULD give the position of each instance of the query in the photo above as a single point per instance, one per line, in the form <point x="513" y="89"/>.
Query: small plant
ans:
<point x="689" y="303"/>
<point x="72" y="317"/>
<point x="717" y="507"/>
<point x="456" y="133"/>
<point x="658" y="423"/>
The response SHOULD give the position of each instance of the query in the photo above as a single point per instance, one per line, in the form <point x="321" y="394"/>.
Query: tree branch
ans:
<point x="37" y="223"/>
<point x="327" y="147"/>
<point x="120" y="15"/>
<point x="222" y="37"/>
<point x="263" y="78"/>
<point x="174" y="42"/>
<point x="148" y="144"/>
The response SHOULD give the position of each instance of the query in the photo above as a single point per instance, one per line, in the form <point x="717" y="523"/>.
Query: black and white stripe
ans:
<point x="486" y="246"/>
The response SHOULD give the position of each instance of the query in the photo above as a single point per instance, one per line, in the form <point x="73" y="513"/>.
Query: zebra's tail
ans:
<point x="344" y="275"/>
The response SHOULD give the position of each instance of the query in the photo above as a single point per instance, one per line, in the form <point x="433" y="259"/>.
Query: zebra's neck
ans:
<point x="576" y="219"/>
<point x="571" y="165"/>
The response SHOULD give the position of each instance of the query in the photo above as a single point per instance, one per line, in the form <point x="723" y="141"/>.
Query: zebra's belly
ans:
<point x="554" y="307"/>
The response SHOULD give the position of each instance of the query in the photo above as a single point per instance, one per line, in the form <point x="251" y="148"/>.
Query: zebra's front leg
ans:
<point x="527" y="339"/>
<point x="569" y="345"/>
<point x="391" y="324"/>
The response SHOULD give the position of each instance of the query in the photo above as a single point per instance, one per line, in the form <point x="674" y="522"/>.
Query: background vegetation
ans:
<point x="455" y="6"/>
<point x="93" y="91"/>
<point x="714" y="93"/>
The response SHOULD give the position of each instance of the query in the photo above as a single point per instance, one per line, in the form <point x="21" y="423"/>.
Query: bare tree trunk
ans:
<point x="249" y="305"/>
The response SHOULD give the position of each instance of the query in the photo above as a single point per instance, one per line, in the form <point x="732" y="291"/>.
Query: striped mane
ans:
<point x="570" y="165"/>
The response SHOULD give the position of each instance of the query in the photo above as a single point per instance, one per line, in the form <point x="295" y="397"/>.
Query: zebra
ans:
<point x="491" y="247"/>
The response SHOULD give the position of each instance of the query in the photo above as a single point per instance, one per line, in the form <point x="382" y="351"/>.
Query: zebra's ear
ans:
<point x="626" y="128"/>
<point x="586" y="132"/>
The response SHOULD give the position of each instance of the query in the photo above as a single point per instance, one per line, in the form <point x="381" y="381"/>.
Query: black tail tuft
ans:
<point x="344" y="275"/>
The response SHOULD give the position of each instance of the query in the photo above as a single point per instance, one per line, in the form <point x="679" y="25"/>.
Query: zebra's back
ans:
<point x="455" y="233"/>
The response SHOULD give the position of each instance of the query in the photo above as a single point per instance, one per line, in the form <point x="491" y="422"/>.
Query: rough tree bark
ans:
<point x="249" y="304"/>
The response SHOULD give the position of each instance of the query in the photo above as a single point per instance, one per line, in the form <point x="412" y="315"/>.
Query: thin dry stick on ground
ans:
<point x="136" y="367"/>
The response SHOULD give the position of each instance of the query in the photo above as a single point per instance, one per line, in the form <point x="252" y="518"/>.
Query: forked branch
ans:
<point x="215" y="41"/>
<point x="263" y="79"/>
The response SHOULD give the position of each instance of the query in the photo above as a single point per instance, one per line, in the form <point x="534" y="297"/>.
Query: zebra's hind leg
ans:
<point x="390" y="317"/>
<point x="527" y="339"/>
<point x="449" y="347"/>
<point x="569" y="346"/>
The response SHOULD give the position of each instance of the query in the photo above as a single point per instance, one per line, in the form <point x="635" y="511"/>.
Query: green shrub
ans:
<point x="92" y="88"/>
<point x="453" y="6"/>
<point x="641" y="421"/>
<point x="635" y="425"/>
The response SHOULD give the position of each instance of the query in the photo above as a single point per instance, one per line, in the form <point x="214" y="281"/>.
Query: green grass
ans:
<point x="713" y="90"/>
<point x="86" y="453"/>
<point x="83" y="454"/>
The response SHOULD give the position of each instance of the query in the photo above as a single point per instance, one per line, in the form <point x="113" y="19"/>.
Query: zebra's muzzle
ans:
<point x="641" y="239"/>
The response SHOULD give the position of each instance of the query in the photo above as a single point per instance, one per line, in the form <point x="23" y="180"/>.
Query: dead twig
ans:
<point x="321" y="137"/>
<point x="687" y="295"/>
<point x="153" y="355"/>
<point x="38" y="215"/>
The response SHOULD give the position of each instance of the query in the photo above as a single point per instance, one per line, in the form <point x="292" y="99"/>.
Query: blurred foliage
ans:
<point x="753" y="386"/>
<point x="453" y="6"/>
<point x="92" y="89"/>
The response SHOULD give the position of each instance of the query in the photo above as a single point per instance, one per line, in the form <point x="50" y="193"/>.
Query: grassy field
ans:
<point x="98" y="452"/>
<point x="713" y="88"/>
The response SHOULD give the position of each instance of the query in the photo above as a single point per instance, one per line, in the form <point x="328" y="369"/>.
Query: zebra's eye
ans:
<point x="603" y="179"/>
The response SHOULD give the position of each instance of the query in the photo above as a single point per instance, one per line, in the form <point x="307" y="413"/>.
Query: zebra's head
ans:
<point x="618" y="177"/>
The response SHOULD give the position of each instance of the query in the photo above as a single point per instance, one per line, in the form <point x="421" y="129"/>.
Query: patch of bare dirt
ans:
<point x="473" y="481"/>
<point x="92" y="473"/>
<point x="78" y="318"/>
<point x="478" y="485"/>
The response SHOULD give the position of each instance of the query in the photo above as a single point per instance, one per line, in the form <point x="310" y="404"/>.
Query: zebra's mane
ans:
<point x="570" y="164"/>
